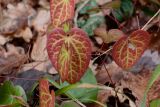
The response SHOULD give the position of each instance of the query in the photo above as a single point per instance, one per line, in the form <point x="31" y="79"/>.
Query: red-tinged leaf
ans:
<point x="128" y="50"/>
<point x="69" y="53"/>
<point x="46" y="99"/>
<point x="61" y="10"/>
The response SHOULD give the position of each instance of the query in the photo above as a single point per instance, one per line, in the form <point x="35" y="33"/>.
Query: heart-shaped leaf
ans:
<point x="46" y="99"/>
<point x="69" y="53"/>
<point x="128" y="50"/>
<point x="61" y="10"/>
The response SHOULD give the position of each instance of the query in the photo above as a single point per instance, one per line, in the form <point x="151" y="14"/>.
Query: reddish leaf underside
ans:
<point x="69" y="53"/>
<point x="128" y="50"/>
<point x="46" y="99"/>
<point x="61" y="10"/>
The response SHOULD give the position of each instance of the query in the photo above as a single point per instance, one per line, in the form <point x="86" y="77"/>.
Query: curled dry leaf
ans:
<point x="3" y="40"/>
<point x="61" y="10"/>
<point x="9" y="64"/>
<point x="15" y="18"/>
<point x="110" y="36"/>
<point x="12" y="59"/>
<point x="44" y="66"/>
<point x="13" y="50"/>
<point x="44" y="4"/>
<point x="26" y="34"/>
<point x="41" y="20"/>
<point x="39" y="52"/>
<point x="128" y="50"/>
<point x="69" y="53"/>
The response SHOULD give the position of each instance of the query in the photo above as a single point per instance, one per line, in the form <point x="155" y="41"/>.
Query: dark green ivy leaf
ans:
<point x="125" y="11"/>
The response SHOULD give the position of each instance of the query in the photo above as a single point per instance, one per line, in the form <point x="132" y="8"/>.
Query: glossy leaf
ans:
<point x="12" y="95"/>
<point x="91" y="24"/>
<point x="128" y="50"/>
<point x="83" y="94"/>
<point x="61" y="10"/>
<point x="69" y="53"/>
<point x="125" y="11"/>
<point x="46" y="99"/>
<point x="109" y="5"/>
<point x="90" y="5"/>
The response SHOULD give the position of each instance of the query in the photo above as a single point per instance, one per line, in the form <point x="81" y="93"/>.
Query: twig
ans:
<point x="77" y="11"/>
<point x="138" y="22"/>
<point x="143" y="28"/>
<point x="102" y="54"/>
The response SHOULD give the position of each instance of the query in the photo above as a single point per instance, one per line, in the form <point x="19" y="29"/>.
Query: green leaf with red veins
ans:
<point x="46" y="99"/>
<point x="61" y="10"/>
<point x="69" y="53"/>
<point x="128" y="50"/>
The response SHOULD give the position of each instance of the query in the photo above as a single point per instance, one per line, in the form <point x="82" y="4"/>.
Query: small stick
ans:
<point x="138" y="22"/>
<point x="102" y="54"/>
<point x="143" y="28"/>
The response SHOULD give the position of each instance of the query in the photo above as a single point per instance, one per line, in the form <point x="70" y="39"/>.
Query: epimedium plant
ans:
<point x="69" y="48"/>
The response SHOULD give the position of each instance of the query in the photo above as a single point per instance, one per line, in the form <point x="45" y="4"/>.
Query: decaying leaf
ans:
<point x="8" y="65"/>
<point x="69" y="53"/>
<point x="128" y="50"/>
<point x="26" y="34"/>
<point x="47" y="99"/>
<point x="15" y="18"/>
<point x="39" y="52"/>
<point x="110" y="36"/>
<point x="126" y="80"/>
<point x="11" y="60"/>
<point x="44" y="66"/>
<point x="41" y="20"/>
<point x="3" y="40"/>
<point x="61" y="10"/>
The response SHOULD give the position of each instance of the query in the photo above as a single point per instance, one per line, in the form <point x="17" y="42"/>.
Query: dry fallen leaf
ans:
<point x="11" y="59"/>
<point x="44" y="4"/>
<point x="44" y="66"/>
<point x="110" y="36"/>
<point x="13" y="50"/>
<point x="15" y="18"/>
<point x="41" y="21"/>
<point x="136" y="82"/>
<point x="9" y="64"/>
<point x="3" y="40"/>
<point x="155" y="40"/>
<point x="39" y="52"/>
<point x="26" y="34"/>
